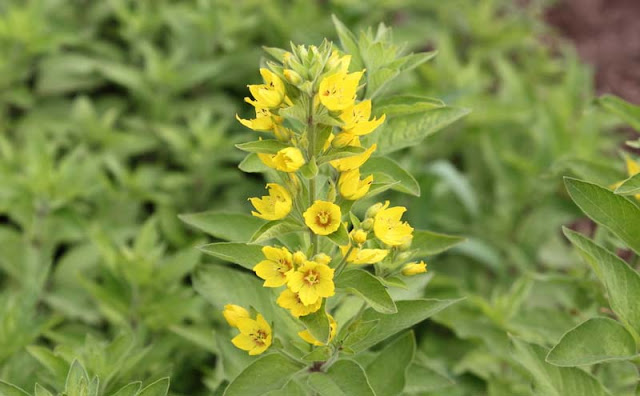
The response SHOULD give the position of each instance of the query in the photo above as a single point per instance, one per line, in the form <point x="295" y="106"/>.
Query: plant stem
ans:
<point x="311" y="136"/>
<point x="343" y="263"/>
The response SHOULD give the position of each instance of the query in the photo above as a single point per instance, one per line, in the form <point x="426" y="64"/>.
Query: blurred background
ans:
<point x="118" y="115"/>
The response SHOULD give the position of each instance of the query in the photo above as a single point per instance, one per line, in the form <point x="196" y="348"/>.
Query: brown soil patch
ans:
<point x="607" y="35"/>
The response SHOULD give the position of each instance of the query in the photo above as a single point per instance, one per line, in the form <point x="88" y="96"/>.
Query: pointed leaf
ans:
<point x="388" y="371"/>
<point x="267" y="373"/>
<point x="428" y="243"/>
<point x="369" y="287"/>
<point x="407" y="183"/>
<point x="158" y="388"/>
<point x="631" y="186"/>
<point x="234" y="227"/>
<point x="243" y="254"/>
<point x="344" y="378"/>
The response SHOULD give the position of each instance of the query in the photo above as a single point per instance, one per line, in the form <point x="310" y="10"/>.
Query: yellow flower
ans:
<point x="338" y="91"/>
<point x="306" y="334"/>
<point x="323" y="217"/>
<point x="291" y="301"/>
<point x="322" y="258"/>
<point x="275" y="268"/>
<point x="299" y="258"/>
<point x="255" y="335"/>
<point x="339" y="63"/>
<point x="232" y="313"/>
<point x="355" y="161"/>
<point x="274" y="206"/>
<point x="364" y="256"/>
<point x="264" y="121"/>
<point x="411" y="269"/>
<point x="388" y="227"/>
<point x="356" y="119"/>
<point x="312" y="282"/>
<point x="350" y="185"/>
<point x="288" y="159"/>
<point x="359" y="236"/>
<point x="270" y="94"/>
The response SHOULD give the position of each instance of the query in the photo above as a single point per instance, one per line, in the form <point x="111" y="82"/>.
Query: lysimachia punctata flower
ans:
<point x="265" y="121"/>
<point x="364" y="256"/>
<point x="356" y="119"/>
<point x="355" y="161"/>
<point x="350" y="185"/>
<point x="274" y="206"/>
<point x="388" y="227"/>
<point x="274" y="270"/>
<point x="287" y="160"/>
<point x="312" y="281"/>
<point x="291" y="300"/>
<point x="269" y="95"/>
<point x="338" y="91"/>
<point x="323" y="218"/>
<point x="255" y="335"/>
<point x="234" y="312"/>
<point x="411" y="269"/>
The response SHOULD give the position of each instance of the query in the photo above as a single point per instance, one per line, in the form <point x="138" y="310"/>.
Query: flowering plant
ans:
<point x="328" y="264"/>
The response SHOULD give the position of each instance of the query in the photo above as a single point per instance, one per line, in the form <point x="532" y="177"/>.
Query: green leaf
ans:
<point x="267" y="373"/>
<point x="41" y="391"/>
<point x="340" y="237"/>
<point x="344" y="378"/>
<point x="234" y="227"/>
<point x="77" y="381"/>
<point x="369" y="287"/>
<point x="551" y="380"/>
<point x="310" y="169"/>
<point x="594" y="341"/>
<point x="608" y="209"/>
<point x="409" y="313"/>
<point x="269" y="146"/>
<point x="55" y="364"/>
<point x="292" y="388"/>
<point x="407" y="183"/>
<point x="318" y="324"/>
<point x="319" y="354"/>
<point x="402" y="105"/>
<point x="339" y="153"/>
<point x="129" y="390"/>
<point x="276" y="228"/>
<point x="7" y="389"/>
<point x="243" y="254"/>
<point x="631" y="186"/>
<point x="252" y="164"/>
<point x="620" y="280"/>
<point x="625" y="110"/>
<point x="201" y="336"/>
<point x="422" y="379"/>
<point x="428" y="243"/>
<point x="406" y="131"/>
<point x="349" y="44"/>
<point x="158" y="388"/>
<point x="388" y="371"/>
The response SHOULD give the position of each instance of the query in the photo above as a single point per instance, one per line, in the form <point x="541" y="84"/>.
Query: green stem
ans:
<point x="343" y="263"/>
<point x="311" y="136"/>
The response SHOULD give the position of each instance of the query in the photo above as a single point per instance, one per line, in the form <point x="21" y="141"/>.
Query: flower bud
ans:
<point x="283" y="134"/>
<point x="414" y="268"/>
<point x="322" y="258"/>
<point x="404" y="256"/>
<point x="367" y="225"/>
<point x="405" y="246"/>
<point x="293" y="77"/>
<point x="359" y="236"/>
<point x="299" y="258"/>
<point x="373" y="210"/>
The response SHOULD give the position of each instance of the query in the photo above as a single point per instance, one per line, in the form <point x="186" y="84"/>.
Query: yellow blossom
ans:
<point x="355" y="161"/>
<point x="312" y="281"/>
<point x="364" y="256"/>
<point x="338" y="91"/>
<point x="232" y="313"/>
<point x="323" y="217"/>
<point x="306" y="334"/>
<point x="350" y="185"/>
<point x="322" y="258"/>
<point x="279" y="261"/>
<point x="414" y="268"/>
<point x="255" y="335"/>
<point x="356" y="119"/>
<point x="389" y="228"/>
<point x="291" y="301"/>
<point x="359" y="236"/>
<point x="288" y="159"/>
<point x="270" y="94"/>
<point x="264" y="121"/>
<point x="339" y="63"/>
<point x="274" y="206"/>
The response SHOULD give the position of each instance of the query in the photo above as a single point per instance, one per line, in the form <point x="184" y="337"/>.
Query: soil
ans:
<point x="607" y="36"/>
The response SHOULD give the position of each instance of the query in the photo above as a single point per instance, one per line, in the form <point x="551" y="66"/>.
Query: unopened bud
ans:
<point x="367" y="225"/>
<point x="405" y="246"/>
<point x="283" y="134"/>
<point x="291" y="76"/>
<point x="322" y="258"/>
<point x="373" y="210"/>
<point x="359" y="236"/>
<point x="299" y="258"/>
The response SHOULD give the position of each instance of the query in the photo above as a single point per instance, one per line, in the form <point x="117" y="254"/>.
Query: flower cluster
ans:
<point x="308" y="103"/>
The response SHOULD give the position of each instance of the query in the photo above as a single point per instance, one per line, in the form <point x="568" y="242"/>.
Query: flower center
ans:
<point x="259" y="337"/>
<point x="323" y="218"/>
<point x="284" y="266"/>
<point x="311" y="278"/>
